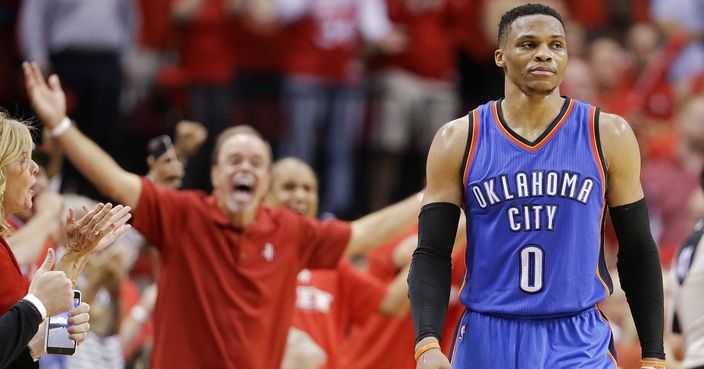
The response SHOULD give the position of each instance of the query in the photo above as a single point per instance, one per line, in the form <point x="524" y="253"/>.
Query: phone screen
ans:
<point x="57" y="341"/>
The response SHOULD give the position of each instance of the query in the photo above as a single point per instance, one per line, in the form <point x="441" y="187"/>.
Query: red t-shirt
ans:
<point x="330" y="300"/>
<point x="323" y="43"/>
<point x="226" y="295"/>
<point x="257" y="52"/>
<point x="382" y="340"/>
<point x="431" y="53"/>
<point x="205" y="47"/>
<point x="14" y="286"/>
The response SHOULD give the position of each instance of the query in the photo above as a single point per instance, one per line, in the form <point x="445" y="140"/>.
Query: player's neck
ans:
<point x="531" y="111"/>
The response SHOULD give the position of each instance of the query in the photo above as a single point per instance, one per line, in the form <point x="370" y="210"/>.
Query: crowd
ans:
<point x="353" y="90"/>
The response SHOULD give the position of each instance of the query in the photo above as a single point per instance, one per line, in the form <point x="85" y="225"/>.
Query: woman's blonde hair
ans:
<point x="15" y="140"/>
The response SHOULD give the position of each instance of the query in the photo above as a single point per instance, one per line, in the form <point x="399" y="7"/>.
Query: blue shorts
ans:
<point x="490" y="342"/>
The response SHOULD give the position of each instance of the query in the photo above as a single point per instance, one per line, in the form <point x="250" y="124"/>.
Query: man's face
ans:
<point x="241" y="175"/>
<point x="534" y="54"/>
<point x="294" y="186"/>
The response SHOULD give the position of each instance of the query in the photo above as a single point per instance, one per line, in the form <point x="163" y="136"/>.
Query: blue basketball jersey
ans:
<point x="535" y="215"/>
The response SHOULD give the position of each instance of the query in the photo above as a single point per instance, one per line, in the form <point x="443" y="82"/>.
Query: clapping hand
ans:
<point x="97" y="229"/>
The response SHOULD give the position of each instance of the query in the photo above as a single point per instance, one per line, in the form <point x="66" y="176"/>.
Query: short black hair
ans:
<point x="521" y="11"/>
<point x="701" y="178"/>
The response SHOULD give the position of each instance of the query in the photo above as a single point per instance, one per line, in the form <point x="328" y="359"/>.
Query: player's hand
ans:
<point x="433" y="359"/>
<point x="48" y="100"/>
<point x="78" y="319"/>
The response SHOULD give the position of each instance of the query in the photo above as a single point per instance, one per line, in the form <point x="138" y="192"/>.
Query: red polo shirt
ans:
<point x="226" y="296"/>
<point x="382" y="340"/>
<point x="13" y="286"/>
<point x="330" y="300"/>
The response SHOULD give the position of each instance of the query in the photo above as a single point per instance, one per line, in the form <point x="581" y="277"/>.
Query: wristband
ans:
<point x="61" y="128"/>
<point x="37" y="304"/>
<point x="425" y="348"/>
<point x="652" y="364"/>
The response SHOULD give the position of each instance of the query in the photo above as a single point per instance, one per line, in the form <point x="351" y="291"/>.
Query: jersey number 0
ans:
<point x="531" y="272"/>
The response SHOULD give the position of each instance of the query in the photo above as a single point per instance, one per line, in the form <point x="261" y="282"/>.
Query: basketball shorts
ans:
<point x="490" y="342"/>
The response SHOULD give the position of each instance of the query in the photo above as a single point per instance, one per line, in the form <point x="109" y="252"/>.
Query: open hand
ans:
<point x="48" y="99"/>
<point x="97" y="228"/>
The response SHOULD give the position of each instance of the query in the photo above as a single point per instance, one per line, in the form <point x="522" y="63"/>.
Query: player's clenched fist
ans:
<point x="433" y="359"/>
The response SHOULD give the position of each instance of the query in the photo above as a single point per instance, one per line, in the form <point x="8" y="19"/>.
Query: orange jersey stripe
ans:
<point x="472" y="146"/>
<point x="595" y="149"/>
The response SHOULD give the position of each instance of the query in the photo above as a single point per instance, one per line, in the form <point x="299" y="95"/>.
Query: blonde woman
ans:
<point x="98" y="228"/>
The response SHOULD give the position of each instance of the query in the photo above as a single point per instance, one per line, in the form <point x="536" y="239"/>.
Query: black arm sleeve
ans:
<point x="17" y="327"/>
<point x="431" y="268"/>
<point x="641" y="275"/>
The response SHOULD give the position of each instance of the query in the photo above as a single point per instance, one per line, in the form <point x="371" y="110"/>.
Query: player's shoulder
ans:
<point x="618" y="141"/>
<point x="453" y="133"/>
<point x="613" y="127"/>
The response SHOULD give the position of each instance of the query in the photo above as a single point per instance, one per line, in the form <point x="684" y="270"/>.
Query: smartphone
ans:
<point x="57" y="341"/>
<point x="158" y="145"/>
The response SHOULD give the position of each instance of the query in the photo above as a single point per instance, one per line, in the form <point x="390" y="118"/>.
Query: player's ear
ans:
<point x="499" y="58"/>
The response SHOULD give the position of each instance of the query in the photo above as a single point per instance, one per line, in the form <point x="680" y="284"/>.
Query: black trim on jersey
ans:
<point x="543" y="135"/>
<point x="600" y="151"/>
<point x="692" y="242"/>
<point x="603" y="268"/>
<point x="465" y="157"/>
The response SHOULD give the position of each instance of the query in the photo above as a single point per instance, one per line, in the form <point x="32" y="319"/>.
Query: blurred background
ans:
<point x="356" y="88"/>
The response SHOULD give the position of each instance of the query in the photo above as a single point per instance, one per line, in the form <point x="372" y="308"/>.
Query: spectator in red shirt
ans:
<point x="209" y="67"/>
<point x="330" y="300"/>
<point x="417" y="91"/>
<point x="228" y="264"/>
<point x="393" y="337"/>
<point x="259" y="40"/>
<point x="323" y="85"/>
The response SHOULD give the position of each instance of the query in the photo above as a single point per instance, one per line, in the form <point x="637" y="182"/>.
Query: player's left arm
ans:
<point x="638" y="260"/>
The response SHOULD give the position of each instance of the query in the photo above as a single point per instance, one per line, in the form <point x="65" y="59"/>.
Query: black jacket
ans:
<point x="17" y="327"/>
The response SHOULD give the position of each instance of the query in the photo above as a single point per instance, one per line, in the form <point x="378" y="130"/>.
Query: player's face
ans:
<point x="20" y="176"/>
<point x="294" y="186"/>
<point x="241" y="175"/>
<point x="534" y="54"/>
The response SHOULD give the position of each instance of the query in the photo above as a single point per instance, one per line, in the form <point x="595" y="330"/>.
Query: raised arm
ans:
<point x="382" y="226"/>
<point x="49" y="103"/>
<point x="638" y="261"/>
<point x="431" y="267"/>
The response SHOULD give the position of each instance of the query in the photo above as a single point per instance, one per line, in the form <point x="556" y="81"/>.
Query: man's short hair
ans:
<point x="239" y="130"/>
<point x="521" y="11"/>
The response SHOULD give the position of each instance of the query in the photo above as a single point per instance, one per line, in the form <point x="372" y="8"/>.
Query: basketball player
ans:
<point x="534" y="172"/>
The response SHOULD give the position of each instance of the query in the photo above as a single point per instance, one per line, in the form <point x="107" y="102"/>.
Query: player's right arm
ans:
<point x="49" y="103"/>
<point x="431" y="267"/>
